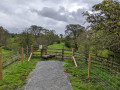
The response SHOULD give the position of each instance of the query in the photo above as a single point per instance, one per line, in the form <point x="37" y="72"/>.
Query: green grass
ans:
<point x="14" y="75"/>
<point x="7" y="70"/>
<point x="99" y="80"/>
<point x="7" y="55"/>
<point x="58" y="46"/>
<point x="52" y="48"/>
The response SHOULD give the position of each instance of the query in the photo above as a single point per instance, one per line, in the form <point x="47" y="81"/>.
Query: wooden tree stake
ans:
<point x="89" y="66"/>
<point x="30" y="57"/>
<point x="74" y="61"/>
<point x="0" y="66"/>
<point x="72" y="53"/>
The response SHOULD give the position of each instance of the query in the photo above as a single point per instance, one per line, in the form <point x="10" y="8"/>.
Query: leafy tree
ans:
<point x="51" y="37"/>
<point x="68" y="41"/>
<point x="4" y="36"/>
<point x="61" y="36"/>
<point x="36" y="30"/>
<point x="26" y="39"/>
<point x="48" y="38"/>
<point x="105" y="21"/>
<point x="74" y="30"/>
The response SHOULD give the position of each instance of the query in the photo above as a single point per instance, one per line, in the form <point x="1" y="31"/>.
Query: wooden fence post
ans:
<point x="63" y="53"/>
<point x="0" y="66"/>
<point x="73" y="51"/>
<point x="31" y="48"/>
<point x="22" y="55"/>
<point x="89" y="66"/>
<point x="56" y="52"/>
<point x="27" y="49"/>
<point x="46" y="51"/>
<point x="41" y="52"/>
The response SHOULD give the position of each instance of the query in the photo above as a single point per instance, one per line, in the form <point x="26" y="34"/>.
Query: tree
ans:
<point x="4" y="37"/>
<point x="51" y="37"/>
<point x="48" y="38"/>
<point x="105" y="21"/>
<point x="36" y="30"/>
<point x="61" y="36"/>
<point x="26" y="39"/>
<point x="74" y="30"/>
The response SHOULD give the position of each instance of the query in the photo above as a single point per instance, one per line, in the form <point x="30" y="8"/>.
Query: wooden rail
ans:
<point x="83" y="57"/>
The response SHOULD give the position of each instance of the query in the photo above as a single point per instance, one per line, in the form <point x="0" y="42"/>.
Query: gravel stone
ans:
<point x="48" y="75"/>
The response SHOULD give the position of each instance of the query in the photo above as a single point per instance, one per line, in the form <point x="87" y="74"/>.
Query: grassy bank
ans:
<point x="99" y="79"/>
<point x="7" y="54"/>
<point x="14" y="75"/>
<point x="57" y="49"/>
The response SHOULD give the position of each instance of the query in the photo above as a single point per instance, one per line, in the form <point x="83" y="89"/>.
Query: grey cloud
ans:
<point x="53" y="1"/>
<point x="15" y="15"/>
<point x="51" y="13"/>
<point x="62" y="15"/>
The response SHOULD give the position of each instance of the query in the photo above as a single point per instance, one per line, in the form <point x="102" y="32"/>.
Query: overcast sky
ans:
<point x="16" y="15"/>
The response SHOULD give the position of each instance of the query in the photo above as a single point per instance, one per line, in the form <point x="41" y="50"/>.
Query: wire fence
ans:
<point x="103" y="71"/>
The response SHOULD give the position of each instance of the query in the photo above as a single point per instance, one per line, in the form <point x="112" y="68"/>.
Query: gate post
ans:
<point x="63" y="53"/>
<point x="41" y="52"/>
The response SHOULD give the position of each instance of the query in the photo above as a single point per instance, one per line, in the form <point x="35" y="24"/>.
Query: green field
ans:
<point x="58" y="46"/>
<point x="57" y="49"/>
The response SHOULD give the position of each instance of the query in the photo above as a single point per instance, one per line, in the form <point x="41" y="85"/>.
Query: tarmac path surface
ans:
<point x="48" y="75"/>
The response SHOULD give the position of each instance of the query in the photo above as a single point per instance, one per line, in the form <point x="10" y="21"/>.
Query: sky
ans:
<point x="17" y="15"/>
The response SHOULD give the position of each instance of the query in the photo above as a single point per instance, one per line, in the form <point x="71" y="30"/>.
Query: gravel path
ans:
<point x="48" y="75"/>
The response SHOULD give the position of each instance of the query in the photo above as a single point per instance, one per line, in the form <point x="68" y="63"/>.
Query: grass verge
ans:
<point x="14" y="75"/>
<point x="99" y="80"/>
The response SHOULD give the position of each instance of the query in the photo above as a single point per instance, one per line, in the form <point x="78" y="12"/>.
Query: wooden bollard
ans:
<point x="22" y="56"/>
<point x="0" y="66"/>
<point x="89" y="66"/>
